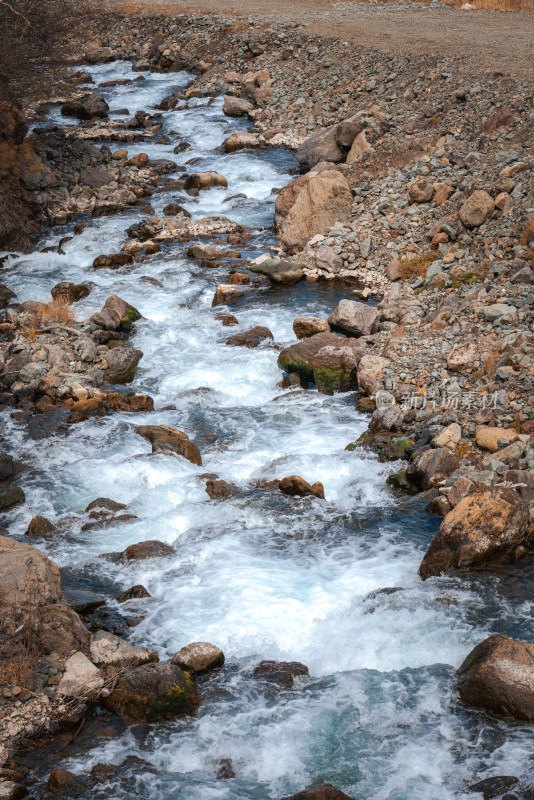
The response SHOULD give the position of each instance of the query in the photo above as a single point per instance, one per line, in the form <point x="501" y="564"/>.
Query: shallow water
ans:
<point x="261" y="575"/>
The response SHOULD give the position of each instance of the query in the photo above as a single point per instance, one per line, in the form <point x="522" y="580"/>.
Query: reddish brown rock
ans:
<point x="483" y="527"/>
<point x="498" y="675"/>
<point x="165" y="439"/>
<point x="282" y="673"/>
<point x="295" y="486"/>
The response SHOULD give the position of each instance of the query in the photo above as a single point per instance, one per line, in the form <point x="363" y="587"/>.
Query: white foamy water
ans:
<point x="260" y="575"/>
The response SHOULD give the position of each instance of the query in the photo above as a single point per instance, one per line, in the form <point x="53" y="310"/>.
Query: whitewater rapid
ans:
<point x="260" y="575"/>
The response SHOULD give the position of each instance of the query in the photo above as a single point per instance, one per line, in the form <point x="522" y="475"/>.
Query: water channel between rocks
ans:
<point x="261" y="575"/>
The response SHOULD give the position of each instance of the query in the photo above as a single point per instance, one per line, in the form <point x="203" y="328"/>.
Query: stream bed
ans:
<point x="261" y="575"/>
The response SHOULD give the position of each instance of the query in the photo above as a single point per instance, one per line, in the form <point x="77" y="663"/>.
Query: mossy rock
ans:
<point x="387" y="445"/>
<point x="398" y="480"/>
<point x="154" y="691"/>
<point x="132" y="315"/>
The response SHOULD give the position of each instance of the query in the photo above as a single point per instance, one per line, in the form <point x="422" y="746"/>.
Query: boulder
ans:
<point x="165" y="439"/>
<point x="81" y="678"/>
<point x="326" y="359"/>
<point x="322" y="200"/>
<point x="360" y="146"/>
<point x="70" y="292"/>
<point x="240" y="141"/>
<point x="303" y="327"/>
<point x="10" y="496"/>
<point x="9" y="790"/>
<point x="219" y="490"/>
<point x="88" y="107"/>
<point x="488" y="437"/>
<point x="322" y="146"/>
<point x="449" y="437"/>
<point x="370" y="372"/>
<point x="154" y="691"/>
<point x="108" y="650"/>
<point x="61" y="631"/>
<point x="421" y="191"/>
<point x="295" y="486"/>
<point x="354" y="319"/>
<point x="116" y="315"/>
<point x="252" y="338"/>
<point x="236" y="106"/>
<point x="386" y="418"/>
<point x="319" y="791"/>
<point x="112" y="260"/>
<point x="481" y="528"/>
<point x="205" y="180"/>
<point x="278" y="270"/>
<point x="461" y="357"/>
<point x="136" y="592"/>
<point x="41" y="527"/>
<point x="151" y="548"/>
<point x="282" y="673"/>
<point x="431" y="467"/>
<point x="226" y="293"/>
<point x="27" y="577"/>
<point x="140" y="160"/>
<point x="61" y="780"/>
<point x="498" y="675"/>
<point x="198" y="658"/>
<point x="120" y="364"/>
<point x="476" y="209"/>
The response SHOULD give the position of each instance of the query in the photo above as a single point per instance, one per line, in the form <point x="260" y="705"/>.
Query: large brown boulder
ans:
<point x="319" y="791"/>
<point x="431" y="468"/>
<point x="321" y="146"/>
<point x="483" y="527"/>
<point x="322" y="200"/>
<point x="165" y="439"/>
<point x="476" y="209"/>
<point x="121" y="364"/>
<point x="154" y="691"/>
<point x="499" y="675"/>
<point x="205" y="180"/>
<point x="252" y="338"/>
<point x="326" y="359"/>
<point x="116" y="315"/>
<point x="354" y="319"/>
<point x="304" y="327"/>
<point x="236" y="106"/>
<point x="61" y="630"/>
<point x="28" y="578"/>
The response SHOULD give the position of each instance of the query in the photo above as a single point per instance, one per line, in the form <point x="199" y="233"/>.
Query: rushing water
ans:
<point x="260" y="575"/>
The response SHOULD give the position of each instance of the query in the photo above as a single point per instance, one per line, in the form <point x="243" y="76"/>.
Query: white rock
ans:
<point x="110" y="650"/>
<point x="81" y="678"/>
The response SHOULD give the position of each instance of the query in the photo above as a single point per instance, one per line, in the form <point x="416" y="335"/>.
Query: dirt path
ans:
<point x="483" y="40"/>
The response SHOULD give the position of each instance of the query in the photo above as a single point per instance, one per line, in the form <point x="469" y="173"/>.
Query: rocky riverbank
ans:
<point x="415" y="191"/>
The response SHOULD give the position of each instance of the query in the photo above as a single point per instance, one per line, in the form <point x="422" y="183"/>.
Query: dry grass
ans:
<point x="417" y="267"/>
<point x="474" y="274"/>
<point x="56" y="311"/>
<point x="491" y="360"/>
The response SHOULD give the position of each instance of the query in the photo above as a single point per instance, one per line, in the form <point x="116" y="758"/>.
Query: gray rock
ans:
<point x="354" y="319"/>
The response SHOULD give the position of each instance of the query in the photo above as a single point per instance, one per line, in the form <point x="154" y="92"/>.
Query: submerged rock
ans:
<point x="199" y="658"/>
<point x="136" y="592"/>
<point x="61" y="780"/>
<point x="219" y="490"/>
<point x="165" y="439"/>
<point x="320" y="791"/>
<point x="252" y="338"/>
<point x="483" y="527"/>
<point x="282" y="673"/>
<point x="205" y="180"/>
<point x="499" y="675"/>
<point x="154" y="691"/>
<point x="151" y="548"/>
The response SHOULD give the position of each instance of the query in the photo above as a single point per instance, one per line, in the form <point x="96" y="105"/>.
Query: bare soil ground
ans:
<point x="485" y="40"/>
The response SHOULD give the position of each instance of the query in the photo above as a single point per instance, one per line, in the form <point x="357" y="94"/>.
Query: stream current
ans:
<point x="261" y="575"/>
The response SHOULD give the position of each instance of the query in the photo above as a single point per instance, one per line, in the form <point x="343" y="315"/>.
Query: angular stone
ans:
<point x="431" y="467"/>
<point x="483" y="527"/>
<point x="326" y="359"/>
<point x="354" y="319"/>
<point x="303" y="327"/>
<point x="199" y="658"/>
<point x="488" y="437"/>
<point x="81" y="678"/>
<point x="108" y="650"/>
